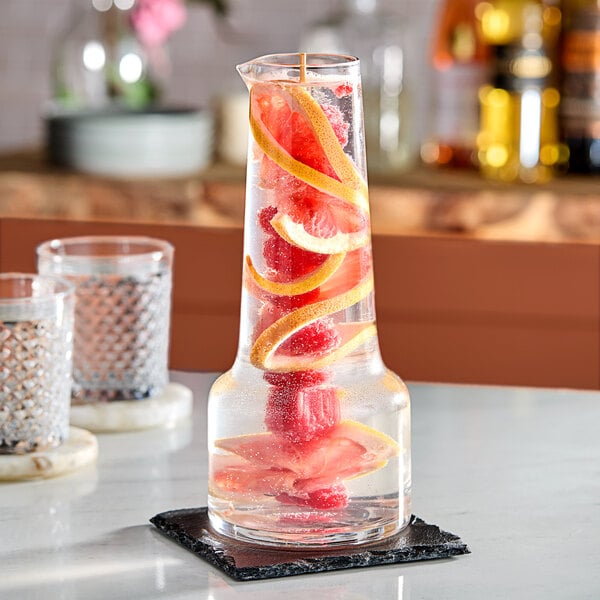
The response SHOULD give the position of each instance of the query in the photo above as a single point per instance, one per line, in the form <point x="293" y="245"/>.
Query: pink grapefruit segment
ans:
<point x="296" y="154"/>
<point x="296" y="234"/>
<point x="321" y="124"/>
<point x="352" y="337"/>
<point x="273" y="465"/>
<point x="262" y="353"/>
<point x="301" y="285"/>
<point x="329" y="498"/>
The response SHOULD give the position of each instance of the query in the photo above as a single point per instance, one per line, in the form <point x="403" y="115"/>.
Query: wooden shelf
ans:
<point x="421" y="202"/>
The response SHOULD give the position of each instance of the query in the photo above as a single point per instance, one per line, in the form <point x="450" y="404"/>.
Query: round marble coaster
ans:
<point x="174" y="404"/>
<point x="79" y="450"/>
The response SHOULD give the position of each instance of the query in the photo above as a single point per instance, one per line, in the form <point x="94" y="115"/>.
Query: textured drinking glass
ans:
<point x="36" y="346"/>
<point x="122" y="313"/>
<point x="309" y="432"/>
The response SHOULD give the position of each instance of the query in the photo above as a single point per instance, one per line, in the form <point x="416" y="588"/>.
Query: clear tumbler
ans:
<point x="122" y="313"/>
<point x="36" y="346"/>
<point x="309" y="432"/>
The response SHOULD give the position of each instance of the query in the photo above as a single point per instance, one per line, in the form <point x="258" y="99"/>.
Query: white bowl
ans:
<point x="160" y="143"/>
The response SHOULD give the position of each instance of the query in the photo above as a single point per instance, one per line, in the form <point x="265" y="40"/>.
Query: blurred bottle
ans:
<point x="99" y="62"/>
<point x="377" y="38"/>
<point x="460" y="59"/>
<point x="519" y="137"/>
<point x="580" y="106"/>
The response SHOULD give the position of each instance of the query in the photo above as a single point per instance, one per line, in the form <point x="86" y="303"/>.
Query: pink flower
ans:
<point x="155" y="20"/>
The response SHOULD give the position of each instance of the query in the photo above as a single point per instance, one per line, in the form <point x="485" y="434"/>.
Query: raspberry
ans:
<point x="327" y="498"/>
<point x="301" y="414"/>
<point x="264" y="219"/>
<point x="315" y="339"/>
<point x="343" y="90"/>
<point x="334" y="497"/>
<point x="296" y="379"/>
<point x="290" y="303"/>
<point x="340" y="127"/>
<point x="304" y="146"/>
<point x="289" y="262"/>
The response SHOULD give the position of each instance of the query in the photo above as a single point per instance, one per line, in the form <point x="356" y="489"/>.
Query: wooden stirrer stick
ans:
<point x="302" y="67"/>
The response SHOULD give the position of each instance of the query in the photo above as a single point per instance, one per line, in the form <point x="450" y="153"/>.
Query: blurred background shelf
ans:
<point x="422" y="202"/>
<point x="477" y="281"/>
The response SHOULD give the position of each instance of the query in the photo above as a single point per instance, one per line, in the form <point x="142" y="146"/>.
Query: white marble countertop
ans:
<point x="514" y="472"/>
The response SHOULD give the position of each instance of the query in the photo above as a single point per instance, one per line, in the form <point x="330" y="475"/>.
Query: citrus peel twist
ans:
<point x="262" y="354"/>
<point x="339" y="160"/>
<point x="295" y="233"/>
<point x="350" y="188"/>
<point x="308" y="283"/>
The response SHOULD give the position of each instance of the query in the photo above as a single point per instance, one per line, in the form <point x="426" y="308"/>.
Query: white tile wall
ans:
<point x="203" y="53"/>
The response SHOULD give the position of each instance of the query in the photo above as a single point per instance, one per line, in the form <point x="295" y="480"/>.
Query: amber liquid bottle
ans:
<point x="519" y="138"/>
<point x="460" y="60"/>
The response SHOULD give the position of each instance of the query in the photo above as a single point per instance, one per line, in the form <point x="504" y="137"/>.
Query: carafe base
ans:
<point x="363" y="521"/>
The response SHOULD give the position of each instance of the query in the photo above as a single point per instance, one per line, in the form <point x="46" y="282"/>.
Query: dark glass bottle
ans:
<point x="580" y="108"/>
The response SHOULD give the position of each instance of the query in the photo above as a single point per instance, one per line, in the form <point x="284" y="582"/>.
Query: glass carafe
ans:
<point x="309" y="432"/>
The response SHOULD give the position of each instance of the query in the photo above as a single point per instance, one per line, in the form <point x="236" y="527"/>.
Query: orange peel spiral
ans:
<point x="344" y="183"/>
<point x="301" y="285"/>
<point x="263" y="352"/>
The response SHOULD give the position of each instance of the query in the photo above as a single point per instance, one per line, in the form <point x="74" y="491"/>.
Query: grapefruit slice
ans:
<point x="262" y="353"/>
<point x="325" y="134"/>
<point x="295" y="233"/>
<point x="287" y="260"/>
<point x="355" y="268"/>
<point x="269" y="144"/>
<point x="274" y="465"/>
<point x="352" y="337"/>
<point x="232" y="477"/>
<point x="301" y="285"/>
<point x="289" y="126"/>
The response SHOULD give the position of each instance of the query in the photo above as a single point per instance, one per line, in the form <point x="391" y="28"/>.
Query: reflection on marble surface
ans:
<point x="70" y="573"/>
<point x="146" y="445"/>
<point x="333" y="587"/>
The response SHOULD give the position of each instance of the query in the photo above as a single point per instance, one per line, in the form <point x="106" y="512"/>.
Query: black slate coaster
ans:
<point x="245" y="562"/>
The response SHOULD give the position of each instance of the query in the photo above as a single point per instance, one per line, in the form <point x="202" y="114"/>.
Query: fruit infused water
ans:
<point x="309" y="432"/>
